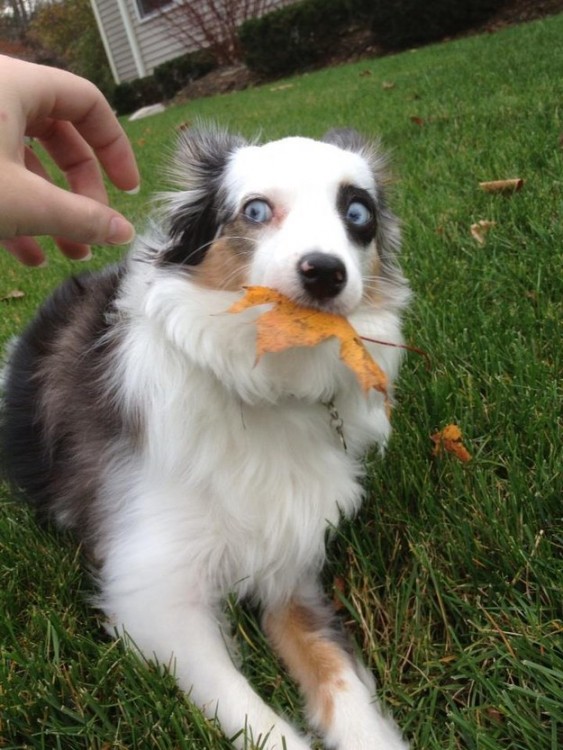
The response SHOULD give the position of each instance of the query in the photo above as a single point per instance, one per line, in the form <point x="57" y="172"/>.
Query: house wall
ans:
<point x="135" y="45"/>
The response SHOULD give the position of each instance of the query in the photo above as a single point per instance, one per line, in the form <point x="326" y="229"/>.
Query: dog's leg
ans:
<point x="190" y="638"/>
<point x="338" y="691"/>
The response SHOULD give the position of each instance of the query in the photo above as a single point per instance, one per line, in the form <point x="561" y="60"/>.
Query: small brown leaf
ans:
<point x="502" y="186"/>
<point x="480" y="229"/>
<point x="388" y="85"/>
<point x="494" y="714"/>
<point x="13" y="294"/>
<point x="418" y="121"/>
<point x="449" y="440"/>
<point x="339" y="588"/>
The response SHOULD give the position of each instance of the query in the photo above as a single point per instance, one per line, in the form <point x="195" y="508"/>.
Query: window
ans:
<point x="147" y="7"/>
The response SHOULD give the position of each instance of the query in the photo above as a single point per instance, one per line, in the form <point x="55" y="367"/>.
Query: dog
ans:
<point x="137" y="415"/>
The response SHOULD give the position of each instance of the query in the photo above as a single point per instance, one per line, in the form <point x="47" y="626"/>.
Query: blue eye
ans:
<point x="257" y="211"/>
<point x="358" y="214"/>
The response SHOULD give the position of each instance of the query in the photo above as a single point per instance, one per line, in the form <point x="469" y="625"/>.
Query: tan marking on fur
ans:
<point x="312" y="659"/>
<point x="226" y="262"/>
<point x="372" y="294"/>
<point x="222" y="268"/>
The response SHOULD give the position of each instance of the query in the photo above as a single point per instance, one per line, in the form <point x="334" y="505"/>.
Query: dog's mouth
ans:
<point x="336" y="306"/>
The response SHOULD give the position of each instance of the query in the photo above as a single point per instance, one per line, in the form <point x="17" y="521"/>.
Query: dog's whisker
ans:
<point x="230" y="277"/>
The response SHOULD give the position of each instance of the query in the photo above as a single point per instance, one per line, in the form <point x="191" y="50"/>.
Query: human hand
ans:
<point x="73" y="121"/>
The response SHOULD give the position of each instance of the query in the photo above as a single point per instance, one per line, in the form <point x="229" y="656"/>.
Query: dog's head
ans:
<point x="307" y="218"/>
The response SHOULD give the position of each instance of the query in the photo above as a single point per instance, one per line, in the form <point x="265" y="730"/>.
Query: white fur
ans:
<point x="240" y="473"/>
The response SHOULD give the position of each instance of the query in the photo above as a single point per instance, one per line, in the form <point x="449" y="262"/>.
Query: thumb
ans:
<point x="41" y="208"/>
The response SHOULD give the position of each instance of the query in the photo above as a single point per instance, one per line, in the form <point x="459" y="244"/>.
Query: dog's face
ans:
<point x="307" y="218"/>
<point x="307" y="213"/>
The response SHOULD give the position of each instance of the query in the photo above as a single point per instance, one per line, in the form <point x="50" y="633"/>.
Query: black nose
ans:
<point x="322" y="275"/>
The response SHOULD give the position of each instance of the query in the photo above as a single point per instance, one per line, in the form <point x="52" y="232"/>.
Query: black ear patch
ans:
<point x="191" y="236"/>
<point x="198" y="208"/>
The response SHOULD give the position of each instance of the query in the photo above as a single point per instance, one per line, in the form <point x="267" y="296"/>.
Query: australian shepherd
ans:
<point x="137" y="415"/>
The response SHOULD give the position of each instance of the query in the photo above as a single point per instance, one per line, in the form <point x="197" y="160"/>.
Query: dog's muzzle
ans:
<point x="322" y="276"/>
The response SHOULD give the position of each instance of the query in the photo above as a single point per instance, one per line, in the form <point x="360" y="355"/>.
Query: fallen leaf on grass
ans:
<point x="288" y="324"/>
<point x="388" y="85"/>
<point x="339" y="590"/>
<point x="502" y="186"/>
<point x="449" y="440"/>
<point x="13" y="294"/>
<point x="418" y="121"/>
<point x="480" y="229"/>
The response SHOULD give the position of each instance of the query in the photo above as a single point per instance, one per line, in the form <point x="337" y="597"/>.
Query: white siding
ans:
<point x="115" y="35"/>
<point x="155" y="41"/>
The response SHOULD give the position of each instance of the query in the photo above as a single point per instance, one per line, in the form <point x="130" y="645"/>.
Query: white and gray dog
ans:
<point x="137" y="415"/>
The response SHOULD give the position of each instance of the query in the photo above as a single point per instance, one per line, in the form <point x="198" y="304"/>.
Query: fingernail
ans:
<point x="86" y="257"/>
<point x="120" y="231"/>
<point x="134" y="191"/>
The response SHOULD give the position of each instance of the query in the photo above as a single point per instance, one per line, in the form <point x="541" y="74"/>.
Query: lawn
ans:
<point x="451" y="577"/>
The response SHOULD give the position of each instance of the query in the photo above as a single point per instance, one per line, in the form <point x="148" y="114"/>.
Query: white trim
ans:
<point x="132" y="39"/>
<point x="105" y="41"/>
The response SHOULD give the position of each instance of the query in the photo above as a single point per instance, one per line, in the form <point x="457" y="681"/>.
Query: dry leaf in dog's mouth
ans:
<point x="449" y="440"/>
<point x="288" y="324"/>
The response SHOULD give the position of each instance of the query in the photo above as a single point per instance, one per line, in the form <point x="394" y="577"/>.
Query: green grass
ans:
<point x="452" y="573"/>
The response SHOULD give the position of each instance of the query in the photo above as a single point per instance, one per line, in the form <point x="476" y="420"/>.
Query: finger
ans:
<point x="76" y="160"/>
<point x="26" y="250"/>
<point x="73" y="250"/>
<point x="34" y="164"/>
<point x="81" y="103"/>
<point x="59" y="213"/>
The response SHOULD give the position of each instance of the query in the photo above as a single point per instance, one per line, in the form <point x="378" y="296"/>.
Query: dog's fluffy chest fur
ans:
<point x="251" y="452"/>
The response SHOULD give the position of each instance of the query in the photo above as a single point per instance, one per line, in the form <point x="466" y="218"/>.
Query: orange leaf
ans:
<point x="449" y="439"/>
<point x="288" y="324"/>
<point x="502" y="186"/>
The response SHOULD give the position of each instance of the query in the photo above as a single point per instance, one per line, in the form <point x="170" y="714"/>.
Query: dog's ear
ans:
<point x="347" y="139"/>
<point x="370" y="149"/>
<point x="196" y="211"/>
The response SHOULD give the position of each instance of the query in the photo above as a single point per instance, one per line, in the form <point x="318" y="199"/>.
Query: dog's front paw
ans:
<point x="357" y="723"/>
<point x="278" y="736"/>
<point x="380" y="735"/>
